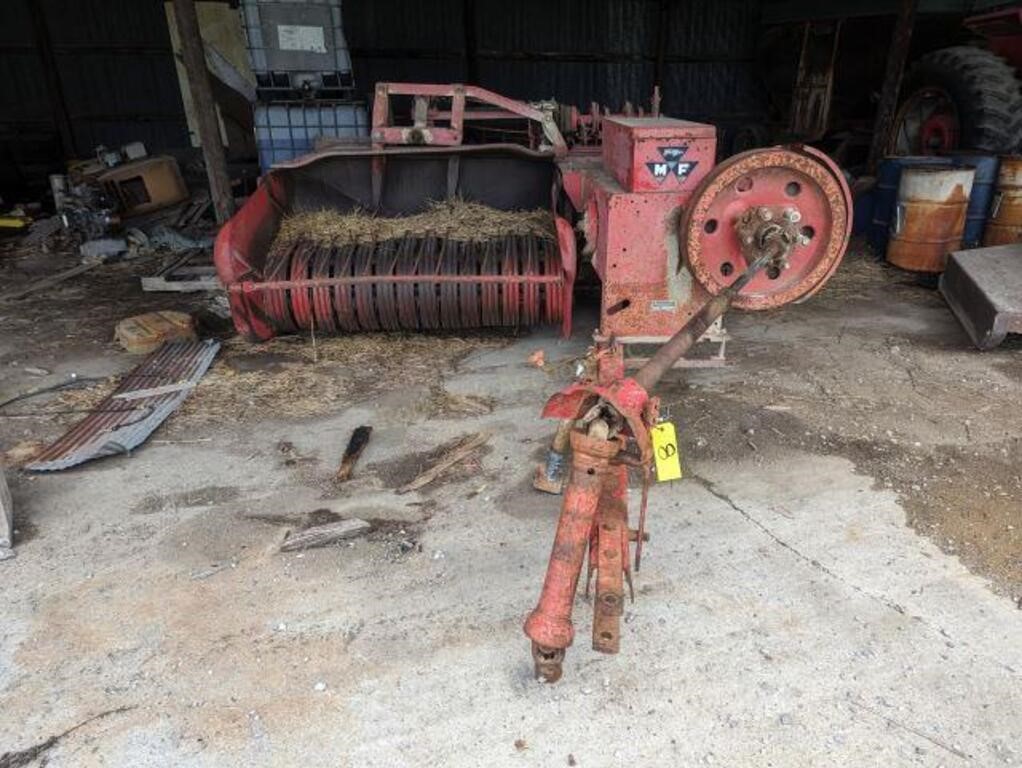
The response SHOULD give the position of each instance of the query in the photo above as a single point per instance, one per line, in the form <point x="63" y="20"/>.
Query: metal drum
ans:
<point x="982" y="193"/>
<point x="885" y="194"/>
<point x="929" y="217"/>
<point x="1005" y="223"/>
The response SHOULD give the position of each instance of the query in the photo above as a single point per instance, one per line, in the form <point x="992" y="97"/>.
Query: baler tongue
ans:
<point x="457" y="265"/>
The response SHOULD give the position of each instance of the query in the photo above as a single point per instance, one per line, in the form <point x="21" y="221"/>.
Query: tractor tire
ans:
<point x="984" y="89"/>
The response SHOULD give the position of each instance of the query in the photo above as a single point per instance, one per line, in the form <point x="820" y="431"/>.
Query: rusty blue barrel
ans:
<point x="885" y="194"/>
<point x="982" y="195"/>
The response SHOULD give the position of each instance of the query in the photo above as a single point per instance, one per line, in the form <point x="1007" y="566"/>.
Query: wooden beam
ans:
<point x="206" y="122"/>
<point x="897" y="55"/>
<point x="6" y="519"/>
<point x="322" y="535"/>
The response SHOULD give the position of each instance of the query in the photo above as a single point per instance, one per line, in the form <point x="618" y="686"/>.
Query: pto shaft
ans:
<point x="682" y="341"/>
<point x="549" y="625"/>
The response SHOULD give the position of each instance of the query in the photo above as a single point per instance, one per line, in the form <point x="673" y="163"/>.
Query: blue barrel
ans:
<point x="862" y="212"/>
<point x="982" y="193"/>
<point x="885" y="194"/>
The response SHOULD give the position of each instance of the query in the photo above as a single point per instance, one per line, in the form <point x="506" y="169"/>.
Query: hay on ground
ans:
<point x="312" y="380"/>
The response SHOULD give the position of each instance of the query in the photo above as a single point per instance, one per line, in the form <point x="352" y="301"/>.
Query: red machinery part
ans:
<point x="749" y="213"/>
<point x="798" y="178"/>
<point x="549" y="625"/>
<point x="405" y="283"/>
<point x="414" y="283"/>
<point x="649" y="170"/>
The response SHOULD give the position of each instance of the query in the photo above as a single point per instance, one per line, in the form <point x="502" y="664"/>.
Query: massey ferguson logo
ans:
<point x="672" y="164"/>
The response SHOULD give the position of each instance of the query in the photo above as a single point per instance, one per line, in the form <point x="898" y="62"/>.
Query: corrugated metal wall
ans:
<point x="576" y="51"/>
<point x="117" y="72"/>
<point x="112" y="81"/>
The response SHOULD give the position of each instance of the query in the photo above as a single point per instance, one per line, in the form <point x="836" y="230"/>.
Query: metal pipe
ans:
<point x="549" y="625"/>
<point x="681" y="342"/>
<point x="325" y="282"/>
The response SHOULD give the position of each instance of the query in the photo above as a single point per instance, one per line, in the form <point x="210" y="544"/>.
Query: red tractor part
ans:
<point x="1002" y="31"/>
<point x="966" y="96"/>
<point x="674" y="239"/>
<point x="762" y="205"/>
<point x="406" y="283"/>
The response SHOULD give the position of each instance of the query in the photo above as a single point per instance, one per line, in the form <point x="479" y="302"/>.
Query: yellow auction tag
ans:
<point x="665" y="452"/>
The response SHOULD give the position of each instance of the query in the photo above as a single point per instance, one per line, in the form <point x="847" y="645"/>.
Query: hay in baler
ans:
<point x="453" y="219"/>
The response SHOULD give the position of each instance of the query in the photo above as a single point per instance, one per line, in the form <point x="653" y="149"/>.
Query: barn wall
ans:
<point x="576" y="51"/>
<point x="114" y="83"/>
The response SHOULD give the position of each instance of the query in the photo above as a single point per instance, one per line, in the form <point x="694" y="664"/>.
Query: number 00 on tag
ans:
<point x="665" y="452"/>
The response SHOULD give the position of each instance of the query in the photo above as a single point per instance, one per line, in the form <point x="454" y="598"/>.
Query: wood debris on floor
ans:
<point x="463" y="449"/>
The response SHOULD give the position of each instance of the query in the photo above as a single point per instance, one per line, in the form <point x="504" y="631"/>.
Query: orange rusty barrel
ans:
<point x="929" y="217"/>
<point x="1005" y="223"/>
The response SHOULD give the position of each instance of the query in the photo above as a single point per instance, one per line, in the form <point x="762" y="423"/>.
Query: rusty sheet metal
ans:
<point x="125" y="418"/>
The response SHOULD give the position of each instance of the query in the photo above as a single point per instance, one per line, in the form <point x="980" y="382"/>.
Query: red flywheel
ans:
<point x="799" y="182"/>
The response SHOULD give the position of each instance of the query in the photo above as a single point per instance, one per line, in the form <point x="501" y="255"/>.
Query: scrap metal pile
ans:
<point x="674" y="238"/>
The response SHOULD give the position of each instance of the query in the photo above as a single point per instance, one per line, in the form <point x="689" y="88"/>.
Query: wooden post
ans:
<point x="206" y="121"/>
<point x="896" y="58"/>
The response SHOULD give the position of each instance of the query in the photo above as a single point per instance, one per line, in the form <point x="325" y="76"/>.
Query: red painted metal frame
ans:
<point x="630" y="223"/>
<point x="630" y="219"/>
<point x="550" y="624"/>
<point x="594" y="513"/>
<point x="1003" y="32"/>
<point x="385" y="133"/>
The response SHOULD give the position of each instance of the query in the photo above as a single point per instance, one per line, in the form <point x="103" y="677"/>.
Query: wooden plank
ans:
<point x="162" y="284"/>
<point x="897" y="55"/>
<point x="322" y="535"/>
<point x="48" y="282"/>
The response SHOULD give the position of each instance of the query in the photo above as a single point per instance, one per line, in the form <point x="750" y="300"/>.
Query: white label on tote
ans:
<point x="292" y="37"/>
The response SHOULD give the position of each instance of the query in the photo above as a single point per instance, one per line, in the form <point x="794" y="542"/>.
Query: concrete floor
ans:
<point x="786" y="614"/>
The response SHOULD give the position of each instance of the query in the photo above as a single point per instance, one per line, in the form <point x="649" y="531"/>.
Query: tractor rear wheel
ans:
<point x="958" y="98"/>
